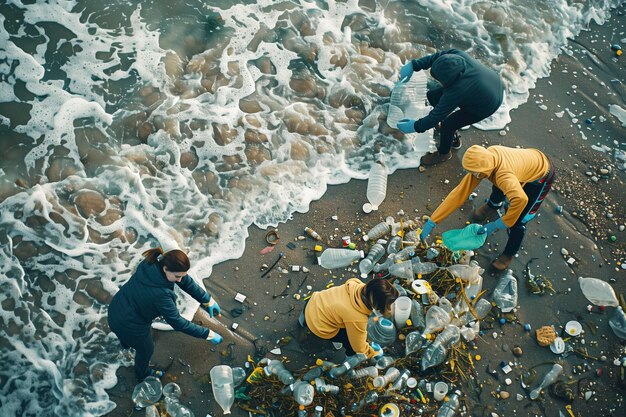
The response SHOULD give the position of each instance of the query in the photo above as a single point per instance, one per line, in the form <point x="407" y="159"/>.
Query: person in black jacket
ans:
<point x="466" y="84"/>
<point x="149" y="293"/>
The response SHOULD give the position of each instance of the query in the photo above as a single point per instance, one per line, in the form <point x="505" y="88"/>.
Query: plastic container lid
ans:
<point x="411" y="382"/>
<point x="367" y="208"/>
<point x="420" y="286"/>
<point x="558" y="346"/>
<point x="573" y="328"/>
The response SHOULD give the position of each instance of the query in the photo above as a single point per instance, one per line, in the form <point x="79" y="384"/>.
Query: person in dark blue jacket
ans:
<point x="467" y="85"/>
<point x="149" y="293"/>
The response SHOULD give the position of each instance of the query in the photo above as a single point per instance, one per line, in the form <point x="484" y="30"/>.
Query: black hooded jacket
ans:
<point x="147" y="295"/>
<point x="467" y="84"/>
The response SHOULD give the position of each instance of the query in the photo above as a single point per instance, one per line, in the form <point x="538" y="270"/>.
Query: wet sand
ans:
<point x="592" y="213"/>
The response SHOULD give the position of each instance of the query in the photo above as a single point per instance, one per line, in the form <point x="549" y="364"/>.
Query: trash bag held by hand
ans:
<point x="464" y="239"/>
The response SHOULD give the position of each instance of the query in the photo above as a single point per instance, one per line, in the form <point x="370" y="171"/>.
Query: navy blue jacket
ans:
<point x="147" y="295"/>
<point x="467" y="84"/>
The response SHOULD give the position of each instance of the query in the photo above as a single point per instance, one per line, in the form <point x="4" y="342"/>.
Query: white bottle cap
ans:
<point x="367" y="208"/>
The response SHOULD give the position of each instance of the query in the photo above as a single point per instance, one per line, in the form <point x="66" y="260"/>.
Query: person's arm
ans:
<point x="167" y="308"/>
<point x="427" y="61"/>
<point x="455" y="198"/>
<point x="446" y="105"/>
<point x="357" y="335"/>
<point x="512" y="189"/>
<point x="188" y="285"/>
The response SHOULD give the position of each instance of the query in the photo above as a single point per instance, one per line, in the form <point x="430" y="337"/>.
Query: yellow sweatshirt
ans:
<point x="338" y="308"/>
<point x="508" y="168"/>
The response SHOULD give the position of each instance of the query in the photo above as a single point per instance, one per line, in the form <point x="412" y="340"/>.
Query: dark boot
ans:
<point x="502" y="262"/>
<point x="435" y="158"/>
<point x="484" y="212"/>
<point x="456" y="142"/>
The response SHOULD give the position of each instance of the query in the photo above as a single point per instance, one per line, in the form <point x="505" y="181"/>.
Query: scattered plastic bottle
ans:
<point x="377" y="183"/>
<point x="152" y="411"/>
<point x="505" y="293"/>
<point x="417" y="314"/>
<point x="147" y="392"/>
<point x="322" y="386"/>
<point x="171" y="390"/>
<point x="366" y="265"/>
<point x="482" y="308"/>
<point x="181" y="410"/>
<point x="301" y="411"/>
<point x="445" y="304"/>
<point x="450" y="407"/>
<point x="404" y="254"/>
<point x="436" y="319"/>
<point x="399" y="383"/>
<point x="548" y="380"/>
<point x="618" y="323"/>
<point x="303" y="392"/>
<point x="370" y="397"/>
<point x="277" y="368"/>
<point x="380" y="230"/>
<point x="312" y="233"/>
<point x="409" y="268"/>
<point x="239" y="375"/>
<point x="333" y="258"/>
<point x="325" y="364"/>
<point x="390" y="376"/>
<point x="381" y="330"/>
<point x="598" y="292"/>
<point x="385" y="265"/>
<point x="436" y="352"/>
<point x="351" y="362"/>
<point x="414" y="342"/>
<point x="395" y="244"/>
<point x="318" y="411"/>
<point x="468" y="273"/>
<point x="313" y="373"/>
<point x="368" y="371"/>
<point x="222" y="385"/>
<point x="384" y="362"/>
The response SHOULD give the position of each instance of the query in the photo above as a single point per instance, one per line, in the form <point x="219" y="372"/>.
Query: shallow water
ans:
<point x="136" y="121"/>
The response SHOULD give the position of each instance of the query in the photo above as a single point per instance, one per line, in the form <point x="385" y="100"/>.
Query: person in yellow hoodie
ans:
<point x="340" y="314"/>
<point x="523" y="176"/>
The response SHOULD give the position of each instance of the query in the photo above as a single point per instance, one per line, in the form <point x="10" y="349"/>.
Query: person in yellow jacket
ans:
<point x="523" y="176"/>
<point x="340" y="313"/>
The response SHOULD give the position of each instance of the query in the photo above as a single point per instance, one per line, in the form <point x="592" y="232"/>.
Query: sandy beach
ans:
<point x="566" y="114"/>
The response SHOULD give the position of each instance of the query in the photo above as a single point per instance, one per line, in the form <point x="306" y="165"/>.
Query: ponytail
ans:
<point x="174" y="260"/>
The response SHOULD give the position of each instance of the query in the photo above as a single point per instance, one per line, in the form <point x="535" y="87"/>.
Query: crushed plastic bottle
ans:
<point x="618" y="323"/>
<point x="277" y="368"/>
<point x="222" y="385"/>
<point x="398" y="384"/>
<point x="350" y="362"/>
<point x="436" y="352"/>
<point x="368" y="371"/>
<point x="380" y="230"/>
<point x="598" y="292"/>
<point x="171" y="390"/>
<point x="436" y="319"/>
<point x="147" y="392"/>
<point x="384" y="362"/>
<point x="409" y="268"/>
<point x="333" y="258"/>
<point x="395" y="244"/>
<point x="366" y="265"/>
<point x="402" y="311"/>
<point x="505" y="293"/>
<point x="417" y="314"/>
<point x="239" y="375"/>
<point x="414" y="342"/>
<point x="322" y="386"/>
<point x="548" y="380"/>
<point x="450" y="407"/>
<point x="381" y="330"/>
<point x="467" y="273"/>
<point x="376" y="184"/>
<point x="390" y="376"/>
<point x="303" y="392"/>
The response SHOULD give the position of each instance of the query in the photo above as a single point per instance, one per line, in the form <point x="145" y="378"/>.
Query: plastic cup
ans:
<point x="402" y="310"/>
<point x="573" y="328"/>
<point x="440" y="390"/>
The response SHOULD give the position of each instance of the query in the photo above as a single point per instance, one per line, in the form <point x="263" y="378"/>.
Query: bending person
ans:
<point x="523" y="176"/>
<point x="466" y="84"/>
<point x="149" y="293"/>
<point x="340" y="314"/>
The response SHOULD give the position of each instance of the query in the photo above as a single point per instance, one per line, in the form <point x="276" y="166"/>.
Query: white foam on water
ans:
<point x="283" y="101"/>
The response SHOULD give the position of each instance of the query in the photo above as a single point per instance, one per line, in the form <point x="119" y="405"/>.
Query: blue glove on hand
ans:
<point x="214" y="338"/>
<point x="377" y="349"/>
<point x="492" y="227"/>
<point x="406" y="71"/>
<point x="406" y="125"/>
<point x="212" y="308"/>
<point x="428" y="227"/>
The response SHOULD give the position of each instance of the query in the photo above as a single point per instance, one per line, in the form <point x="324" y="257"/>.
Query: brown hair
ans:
<point x="379" y="294"/>
<point x="175" y="260"/>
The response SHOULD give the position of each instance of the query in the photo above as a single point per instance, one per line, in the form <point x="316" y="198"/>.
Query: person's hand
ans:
<point x="492" y="227"/>
<point x="406" y="71"/>
<point x="212" y="308"/>
<point x="214" y="338"/>
<point x="428" y="227"/>
<point x="406" y="125"/>
<point x="377" y="349"/>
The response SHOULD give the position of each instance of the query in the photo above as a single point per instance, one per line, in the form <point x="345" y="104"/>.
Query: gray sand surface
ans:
<point x="585" y="82"/>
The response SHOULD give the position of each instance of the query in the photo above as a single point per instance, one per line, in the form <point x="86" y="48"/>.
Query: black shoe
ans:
<point x="456" y="142"/>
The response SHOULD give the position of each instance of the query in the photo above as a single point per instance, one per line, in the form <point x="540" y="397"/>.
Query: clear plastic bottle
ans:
<point x="377" y="183"/>
<point x="381" y="330"/>
<point x="405" y="254"/>
<point x="618" y="323"/>
<point x="366" y="265"/>
<point x="147" y="392"/>
<point x="152" y="411"/>
<point x="333" y="258"/>
<point x="380" y="230"/>
<point x="277" y="368"/>
<point x="301" y="411"/>
<point x="325" y="364"/>
<point x="467" y="273"/>
<point x="482" y="308"/>
<point x="350" y="362"/>
<point x="303" y="392"/>
<point x="313" y="373"/>
<point x="384" y="362"/>
<point x="385" y="265"/>
<point x="436" y="319"/>
<point x="548" y="380"/>
<point x="318" y="411"/>
<point x="182" y="411"/>
<point x="417" y="314"/>
<point x="408" y="269"/>
<point x="222" y="385"/>
<point x="370" y="371"/>
<point x="436" y="352"/>
<point x="171" y="390"/>
<point x="239" y="375"/>
<point x="390" y="376"/>
<point x="598" y="292"/>
<point x="395" y="244"/>
<point x="370" y="397"/>
<point x="413" y="342"/>
<point x="505" y="292"/>
<point x="322" y="386"/>
<point x="399" y="383"/>
<point x="450" y="407"/>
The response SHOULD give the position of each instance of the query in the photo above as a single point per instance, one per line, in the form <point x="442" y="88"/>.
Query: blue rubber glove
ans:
<point x="214" y="338"/>
<point x="406" y="125"/>
<point x="428" y="227"/>
<point x="212" y="308"/>
<point x="377" y="349"/>
<point x="406" y="71"/>
<point x="492" y="227"/>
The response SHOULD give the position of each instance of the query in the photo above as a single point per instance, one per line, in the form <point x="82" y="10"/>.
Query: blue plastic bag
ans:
<point x="464" y="239"/>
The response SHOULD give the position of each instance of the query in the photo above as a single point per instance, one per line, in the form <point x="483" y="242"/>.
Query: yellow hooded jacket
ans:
<point x="508" y="168"/>
<point x="338" y="308"/>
